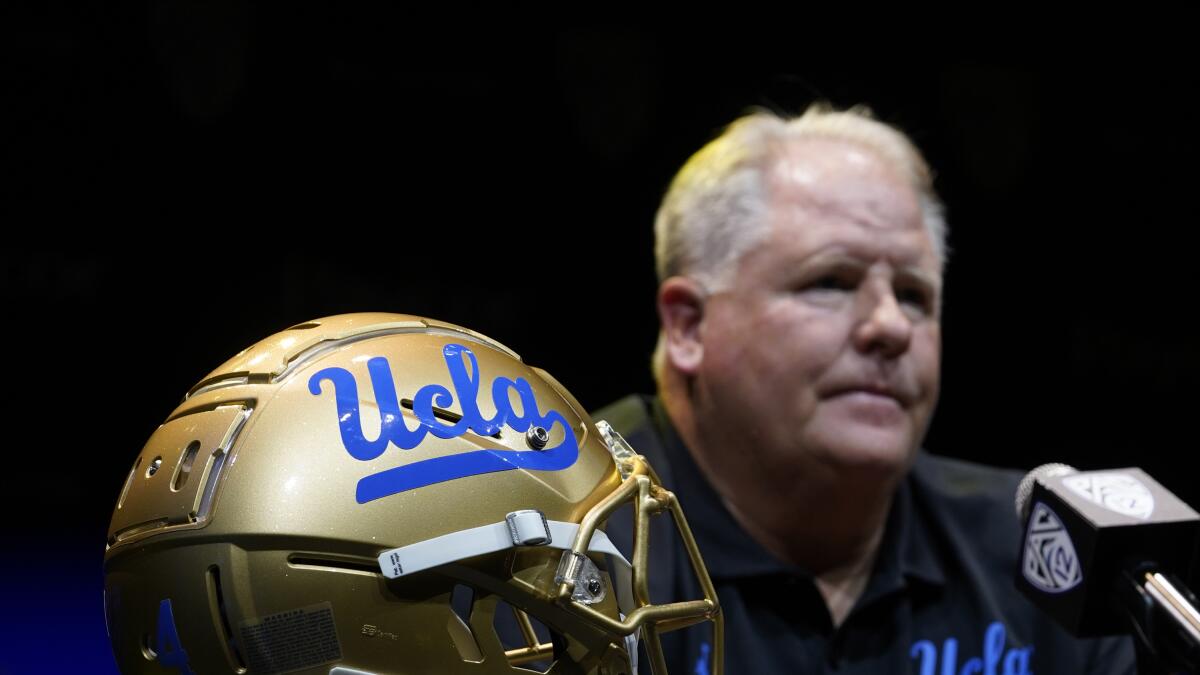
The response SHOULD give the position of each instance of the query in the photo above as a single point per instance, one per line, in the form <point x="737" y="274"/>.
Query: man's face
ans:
<point x="823" y="353"/>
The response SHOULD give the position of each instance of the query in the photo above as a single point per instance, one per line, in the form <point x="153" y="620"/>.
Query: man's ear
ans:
<point x="681" y="312"/>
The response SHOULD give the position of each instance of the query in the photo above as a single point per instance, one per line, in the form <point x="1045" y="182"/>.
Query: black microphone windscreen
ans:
<point x="1025" y="487"/>
<point x="1084" y="531"/>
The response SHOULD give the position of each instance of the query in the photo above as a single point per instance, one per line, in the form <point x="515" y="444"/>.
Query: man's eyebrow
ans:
<point x="838" y="253"/>
<point x="833" y="253"/>
<point x="933" y="280"/>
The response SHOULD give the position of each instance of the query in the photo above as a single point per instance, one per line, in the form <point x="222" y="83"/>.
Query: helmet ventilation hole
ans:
<point x="220" y="614"/>
<point x="440" y="413"/>
<point x="185" y="465"/>
<point x="528" y="643"/>
<point x="147" y="651"/>
<point x="462" y="601"/>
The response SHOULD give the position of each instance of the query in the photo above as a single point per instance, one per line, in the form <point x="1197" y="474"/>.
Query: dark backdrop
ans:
<point x="186" y="178"/>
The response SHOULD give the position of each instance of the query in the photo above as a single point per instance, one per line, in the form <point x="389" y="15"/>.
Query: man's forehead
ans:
<point x="837" y="176"/>
<point x="821" y="187"/>
<point x="870" y="212"/>
<point x="803" y="159"/>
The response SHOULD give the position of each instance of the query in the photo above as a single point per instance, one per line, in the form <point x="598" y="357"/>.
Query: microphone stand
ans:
<point x="1165" y="620"/>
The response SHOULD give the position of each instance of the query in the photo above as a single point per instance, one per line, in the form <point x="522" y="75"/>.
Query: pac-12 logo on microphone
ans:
<point x="1050" y="563"/>
<point x="1117" y="492"/>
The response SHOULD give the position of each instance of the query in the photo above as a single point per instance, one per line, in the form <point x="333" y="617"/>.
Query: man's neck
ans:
<point x="814" y="519"/>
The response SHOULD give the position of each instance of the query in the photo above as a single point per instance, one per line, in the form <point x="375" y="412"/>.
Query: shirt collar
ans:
<point x="907" y="558"/>
<point x="728" y="551"/>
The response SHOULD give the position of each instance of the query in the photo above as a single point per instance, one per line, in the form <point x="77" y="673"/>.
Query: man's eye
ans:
<point x="831" y="282"/>
<point x="915" y="297"/>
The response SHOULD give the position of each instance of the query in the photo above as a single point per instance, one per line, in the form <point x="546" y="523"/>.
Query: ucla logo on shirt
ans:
<point x="395" y="431"/>
<point x="996" y="659"/>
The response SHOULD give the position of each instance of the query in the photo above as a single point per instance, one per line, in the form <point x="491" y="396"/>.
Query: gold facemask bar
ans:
<point x="642" y="486"/>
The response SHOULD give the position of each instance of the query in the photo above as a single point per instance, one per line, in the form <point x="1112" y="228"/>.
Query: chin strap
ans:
<point x="528" y="527"/>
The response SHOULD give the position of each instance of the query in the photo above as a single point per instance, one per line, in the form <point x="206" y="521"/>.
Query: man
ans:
<point x="800" y="266"/>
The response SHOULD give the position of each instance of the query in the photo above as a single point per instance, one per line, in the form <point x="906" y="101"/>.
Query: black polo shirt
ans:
<point x="940" y="601"/>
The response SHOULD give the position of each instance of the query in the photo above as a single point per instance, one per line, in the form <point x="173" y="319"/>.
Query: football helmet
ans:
<point x="382" y="493"/>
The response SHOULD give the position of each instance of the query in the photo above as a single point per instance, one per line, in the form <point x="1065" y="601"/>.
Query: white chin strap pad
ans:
<point x="519" y="528"/>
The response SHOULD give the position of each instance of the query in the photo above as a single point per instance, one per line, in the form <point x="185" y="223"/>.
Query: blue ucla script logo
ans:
<point x="393" y="429"/>
<point x="1014" y="662"/>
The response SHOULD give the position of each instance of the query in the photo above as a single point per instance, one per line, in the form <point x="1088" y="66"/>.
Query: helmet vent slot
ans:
<point x="220" y="616"/>
<point x="304" y="326"/>
<point x="210" y="486"/>
<point x="148" y="652"/>
<point x="462" y="601"/>
<point x="330" y="564"/>
<point x="441" y="413"/>
<point x="527" y="642"/>
<point x="185" y="466"/>
<point x="128" y="532"/>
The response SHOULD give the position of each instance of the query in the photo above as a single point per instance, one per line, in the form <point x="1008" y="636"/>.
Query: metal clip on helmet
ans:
<point x="368" y="494"/>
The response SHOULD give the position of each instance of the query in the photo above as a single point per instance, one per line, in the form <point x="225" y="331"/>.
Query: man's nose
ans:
<point x="883" y="326"/>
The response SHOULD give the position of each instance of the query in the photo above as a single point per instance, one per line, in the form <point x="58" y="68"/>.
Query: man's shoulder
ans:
<point x="972" y="504"/>
<point x="955" y="479"/>
<point x="627" y="414"/>
<point x="634" y="418"/>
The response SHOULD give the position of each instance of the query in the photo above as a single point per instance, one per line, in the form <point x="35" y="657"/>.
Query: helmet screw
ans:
<point x="154" y="466"/>
<point x="537" y="437"/>
<point x="594" y="587"/>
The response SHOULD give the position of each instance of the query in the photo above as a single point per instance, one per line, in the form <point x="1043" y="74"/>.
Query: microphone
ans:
<point x="1099" y="552"/>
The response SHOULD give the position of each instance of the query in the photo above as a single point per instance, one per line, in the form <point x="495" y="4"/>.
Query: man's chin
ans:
<point x="870" y="451"/>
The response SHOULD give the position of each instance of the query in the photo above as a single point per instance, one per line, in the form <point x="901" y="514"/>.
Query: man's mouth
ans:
<point x="871" y="390"/>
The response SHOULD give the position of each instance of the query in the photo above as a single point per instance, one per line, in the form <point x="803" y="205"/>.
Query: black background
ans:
<point x="186" y="178"/>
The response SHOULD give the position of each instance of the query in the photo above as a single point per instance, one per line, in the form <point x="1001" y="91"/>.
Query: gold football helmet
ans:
<point x="381" y="493"/>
